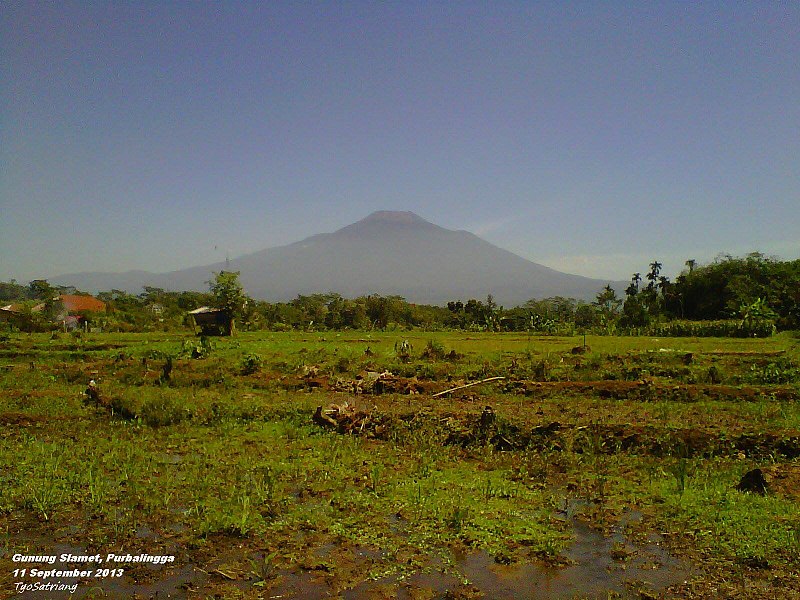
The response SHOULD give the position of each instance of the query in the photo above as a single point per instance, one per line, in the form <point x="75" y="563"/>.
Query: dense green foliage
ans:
<point x="743" y="296"/>
<point x="723" y="287"/>
<point x="756" y="290"/>
<point x="720" y="328"/>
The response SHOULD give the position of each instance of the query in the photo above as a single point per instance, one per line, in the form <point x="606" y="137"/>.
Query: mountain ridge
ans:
<point x="387" y="252"/>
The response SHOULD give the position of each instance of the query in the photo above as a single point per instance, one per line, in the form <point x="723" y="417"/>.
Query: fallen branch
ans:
<point x="223" y="574"/>
<point x="323" y="419"/>
<point x="461" y="387"/>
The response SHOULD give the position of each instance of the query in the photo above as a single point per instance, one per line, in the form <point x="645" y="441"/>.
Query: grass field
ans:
<point x="605" y="471"/>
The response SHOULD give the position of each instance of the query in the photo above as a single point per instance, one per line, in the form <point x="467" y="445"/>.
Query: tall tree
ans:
<point x="229" y="296"/>
<point x="608" y="303"/>
<point x="40" y="289"/>
<point x="652" y="276"/>
<point x="11" y="290"/>
<point x="633" y="288"/>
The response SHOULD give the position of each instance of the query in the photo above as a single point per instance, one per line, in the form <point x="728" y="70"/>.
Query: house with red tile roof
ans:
<point x="75" y="307"/>
<point x="72" y="310"/>
<point x="74" y="303"/>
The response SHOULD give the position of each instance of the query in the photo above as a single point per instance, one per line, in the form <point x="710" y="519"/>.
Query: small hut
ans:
<point x="13" y="315"/>
<point x="21" y="316"/>
<point x="211" y="321"/>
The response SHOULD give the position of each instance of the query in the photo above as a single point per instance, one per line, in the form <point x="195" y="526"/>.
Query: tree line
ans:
<point x="754" y="288"/>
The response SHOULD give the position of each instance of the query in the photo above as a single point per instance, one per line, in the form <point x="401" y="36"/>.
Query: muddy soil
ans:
<point x="594" y="566"/>
<point x="648" y="390"/>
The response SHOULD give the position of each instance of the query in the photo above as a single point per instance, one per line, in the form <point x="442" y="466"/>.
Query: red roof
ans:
<point x="75" y="303"/>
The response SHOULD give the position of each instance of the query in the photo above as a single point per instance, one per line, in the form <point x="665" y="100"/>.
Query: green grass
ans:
<point x="225" y="449"/>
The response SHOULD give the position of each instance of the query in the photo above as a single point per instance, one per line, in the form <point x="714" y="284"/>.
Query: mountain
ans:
<point x="386" y="253"/>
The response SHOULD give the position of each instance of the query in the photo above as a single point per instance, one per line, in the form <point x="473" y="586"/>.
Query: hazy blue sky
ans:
<point x="592" y="137"/>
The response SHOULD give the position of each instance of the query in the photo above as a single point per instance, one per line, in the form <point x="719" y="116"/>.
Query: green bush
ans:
<point x="722" y="328"/>
<point x="778" y="372"/>
<point x="162" y="411"/>
<point x="251" y="363"/>
<point x="157" y="410"/>
<point x="194" y="350"/>
<point x="434" y="350"/>
<point x="124" y="408"/>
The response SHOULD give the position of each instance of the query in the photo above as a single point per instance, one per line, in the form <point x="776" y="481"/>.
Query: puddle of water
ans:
<point x="392" y="587"/>
<point x="594" y="574"/>
<point x="179" y="584"/>
<point x="600" y="564"/>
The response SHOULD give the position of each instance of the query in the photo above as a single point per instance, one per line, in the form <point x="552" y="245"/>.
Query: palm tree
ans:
<point x="652" y="276"/>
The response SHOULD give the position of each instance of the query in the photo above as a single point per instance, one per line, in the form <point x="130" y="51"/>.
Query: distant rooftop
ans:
<point x="73" y="302"/>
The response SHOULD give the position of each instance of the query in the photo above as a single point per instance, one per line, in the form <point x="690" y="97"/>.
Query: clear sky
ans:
<point x="592" y="137"/>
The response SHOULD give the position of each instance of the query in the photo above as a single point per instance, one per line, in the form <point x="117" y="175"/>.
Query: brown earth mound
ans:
<point x="25" y="420"/>
<point x="782" y="480"/>
<point x="645" y="389"/>
<point x="459" y="429"/>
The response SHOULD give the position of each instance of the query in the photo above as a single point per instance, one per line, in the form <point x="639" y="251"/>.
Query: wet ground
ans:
<point x="595" y="565"/>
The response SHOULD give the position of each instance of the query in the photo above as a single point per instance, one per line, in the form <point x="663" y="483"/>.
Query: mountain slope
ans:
<point x="385" y="253"/>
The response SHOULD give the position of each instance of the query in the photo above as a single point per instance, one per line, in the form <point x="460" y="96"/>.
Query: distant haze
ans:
<point x="388" y="253"/>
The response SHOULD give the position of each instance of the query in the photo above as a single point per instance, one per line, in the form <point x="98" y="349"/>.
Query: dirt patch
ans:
<point x="393" y="384"/>
<point x="466" y="430"/>
<point x="24" y="420"/>
<point x="744" y="353"/>
<point x="782" y="480"/>
<point x="662" y="441"/>
<point x="346" y="419"/>
<point x="380" y="383"/>
<point x="647" y="390"/>
<point x="307" y="383"/>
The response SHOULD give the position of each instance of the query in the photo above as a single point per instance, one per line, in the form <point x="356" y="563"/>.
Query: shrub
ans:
<point x="434" y="351"/>
<point x="343" y="364"/>
<point x="159" y="409"/>
<point x="162" y="411"/>
<point x="778" y="372"/>
<point x="721" y="328"/>
<point x="201" y="350"/>
<point x="251" y="363"/>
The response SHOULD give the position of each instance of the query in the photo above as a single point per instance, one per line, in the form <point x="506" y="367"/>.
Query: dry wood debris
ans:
<point x="347" y="419"/>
